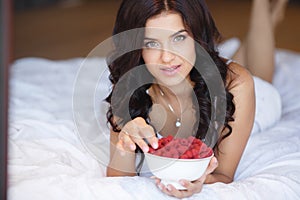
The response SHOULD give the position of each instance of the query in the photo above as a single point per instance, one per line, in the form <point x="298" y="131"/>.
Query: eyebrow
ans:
<point x="183" y="30"/>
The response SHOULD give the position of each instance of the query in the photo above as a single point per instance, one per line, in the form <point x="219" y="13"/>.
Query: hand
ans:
<point x="191" y="187"/>
<point x="134" y="133"/>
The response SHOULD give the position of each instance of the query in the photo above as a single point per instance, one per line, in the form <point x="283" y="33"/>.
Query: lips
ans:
<point x="171" y="70"/>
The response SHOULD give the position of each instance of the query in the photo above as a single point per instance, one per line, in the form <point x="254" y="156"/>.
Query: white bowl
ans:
<point x="171" y="170"/>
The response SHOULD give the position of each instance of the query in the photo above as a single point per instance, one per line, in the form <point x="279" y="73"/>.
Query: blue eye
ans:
<point x="152" y="44"/>
<point x="179" y="38"/>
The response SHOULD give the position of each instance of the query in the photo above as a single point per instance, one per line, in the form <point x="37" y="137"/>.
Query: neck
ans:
<point x="177" y="99"/>
<point x="179" y="92"/>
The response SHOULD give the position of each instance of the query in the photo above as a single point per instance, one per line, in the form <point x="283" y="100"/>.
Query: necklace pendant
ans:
<point x="178" y="123"/>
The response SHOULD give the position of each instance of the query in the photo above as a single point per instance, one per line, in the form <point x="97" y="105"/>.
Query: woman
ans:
<point x="176" y="98"/>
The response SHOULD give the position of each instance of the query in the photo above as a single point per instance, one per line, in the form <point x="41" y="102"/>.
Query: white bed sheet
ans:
<point x="47" y="159"/>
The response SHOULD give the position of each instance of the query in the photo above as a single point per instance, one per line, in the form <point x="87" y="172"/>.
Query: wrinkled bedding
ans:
<point x="49" y="160"/>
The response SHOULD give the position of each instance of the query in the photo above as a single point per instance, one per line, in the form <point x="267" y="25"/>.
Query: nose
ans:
<point x="167" y="56"/>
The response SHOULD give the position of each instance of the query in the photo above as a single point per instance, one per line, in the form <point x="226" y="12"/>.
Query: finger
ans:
<point x="141" y="143"/>
<point x="178" y="193"/>
<point x="127" y="142"/>
<point x="139" y="130"/>
<point x="120" y="149"/>
<point x="119" y="145"/>
<point x="157" y="180"/>
<point x="132" y="139"/>
<point x="192" y="187"/>
<point x="148" y="133"/>
<point x="213" y="164"/>
<point x="164" y="189"/>
<point x="187" y="184"/>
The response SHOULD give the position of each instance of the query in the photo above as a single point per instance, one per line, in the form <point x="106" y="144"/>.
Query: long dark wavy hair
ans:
<point x="133" y="14"/>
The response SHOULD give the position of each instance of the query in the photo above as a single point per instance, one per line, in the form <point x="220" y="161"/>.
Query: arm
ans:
<point x="123" y="145"/>
<point x="122" y="163"/>
<point x="223" y="168"/>
<point x="232" y="147"/>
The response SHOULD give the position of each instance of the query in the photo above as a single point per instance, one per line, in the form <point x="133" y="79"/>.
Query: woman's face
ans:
<point x="169" y="51"/>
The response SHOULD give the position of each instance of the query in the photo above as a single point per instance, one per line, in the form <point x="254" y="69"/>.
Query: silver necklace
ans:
<point x="178" y="119"/>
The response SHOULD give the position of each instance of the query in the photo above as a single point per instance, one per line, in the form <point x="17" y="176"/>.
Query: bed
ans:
<point x="49" y="159"/>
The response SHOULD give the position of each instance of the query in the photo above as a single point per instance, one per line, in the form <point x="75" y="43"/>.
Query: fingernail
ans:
<point x="159" y="186"/>
<point x="169" y="188"/>
<point x="132" y="147"/>
<point x="215" y="161"/>
<point x="145" y="148"/>
<point x="182" y="183"/>
<point x="155" y="145"/>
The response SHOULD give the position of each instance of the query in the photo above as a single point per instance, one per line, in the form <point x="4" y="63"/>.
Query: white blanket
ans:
<point x="47" y="159"/>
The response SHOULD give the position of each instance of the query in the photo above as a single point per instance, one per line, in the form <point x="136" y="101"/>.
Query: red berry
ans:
<point x="183" y="156"/>
<point x="184" y="142"/>
<point x="183" y="148"/>
<point x="151" y="150"/>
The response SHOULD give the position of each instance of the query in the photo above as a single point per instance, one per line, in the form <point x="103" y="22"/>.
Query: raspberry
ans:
<point x="195" y="152"/>
<point x="182" y="148"/>
<point x="151" y="150"/>
<point x="184" y="142"/>
<point x="183" y="156"/>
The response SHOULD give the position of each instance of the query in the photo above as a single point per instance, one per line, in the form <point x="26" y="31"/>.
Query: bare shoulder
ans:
<point x="238" y="77"/>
